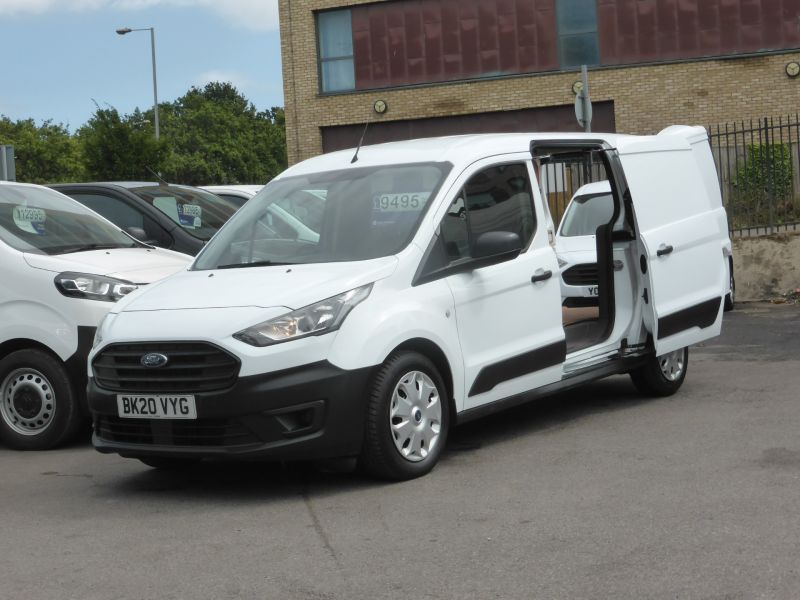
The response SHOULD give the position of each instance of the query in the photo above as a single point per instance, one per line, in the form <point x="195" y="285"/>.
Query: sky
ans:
<point x="60" y="57"/>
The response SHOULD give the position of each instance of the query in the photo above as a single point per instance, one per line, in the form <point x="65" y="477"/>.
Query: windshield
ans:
<point x="198" y="212"/>
<point x="42" y="221"/>
<point x="348" y="215"/>
<point x="586" y="213"/>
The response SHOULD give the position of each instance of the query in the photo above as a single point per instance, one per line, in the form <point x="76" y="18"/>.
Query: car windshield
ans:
<point x="586" y="213"/>
<point x="198" y="212"/>
<point x="43" y="221"/>
<point x="348" y="215"/>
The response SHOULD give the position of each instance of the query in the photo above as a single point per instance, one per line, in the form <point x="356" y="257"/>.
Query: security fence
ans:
<point x="758" y="164"/>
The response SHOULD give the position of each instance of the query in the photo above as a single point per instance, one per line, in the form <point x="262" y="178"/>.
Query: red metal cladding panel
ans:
<point x="507" y="42"/>
<point x="646" y="29"/>
<point x="607" y="30"/>
<point x="417" y="41"/>
<point x="687" y="27"/>
<point x="546" y="36"/>
<point x="708" y="15"/>
<point x="468" y="27"/>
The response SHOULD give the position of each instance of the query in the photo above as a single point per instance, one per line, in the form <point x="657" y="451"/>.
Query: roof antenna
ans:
<point x="361" y="141"/>
<point x="160" y="179"/>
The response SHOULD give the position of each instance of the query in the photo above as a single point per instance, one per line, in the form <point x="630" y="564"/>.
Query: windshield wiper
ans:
<point x="256" y="263"/>
<point x="86" y="247"/>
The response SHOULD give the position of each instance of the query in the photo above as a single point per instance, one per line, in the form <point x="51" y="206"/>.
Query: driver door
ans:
<point x="509" y="313"/>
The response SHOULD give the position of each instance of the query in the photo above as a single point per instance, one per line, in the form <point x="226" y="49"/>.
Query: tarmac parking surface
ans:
<point x="594" y="493"/>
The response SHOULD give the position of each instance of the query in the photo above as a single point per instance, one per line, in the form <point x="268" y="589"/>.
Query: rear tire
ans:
<point x="730" y="298"/>
<point x="408" y="418"/>
<point x="38" y="405"/>
<point x="662" y="375"/>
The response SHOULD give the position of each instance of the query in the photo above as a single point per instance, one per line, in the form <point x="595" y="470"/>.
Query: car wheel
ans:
<point x="730" y="298"/>
<point x="662" y="375"/>
<point x="168" y="463"/>
<point x="38" y="406"/>
<point x="408" y="417"/>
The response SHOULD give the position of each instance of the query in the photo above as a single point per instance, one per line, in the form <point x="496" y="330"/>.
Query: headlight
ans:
<point x="314" y="319"/>
<point x="92" y="287"/>
<point x="561" y="262"/>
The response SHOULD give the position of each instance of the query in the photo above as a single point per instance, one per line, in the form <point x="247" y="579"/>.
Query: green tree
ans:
<point x="46" y="153"/>
<point x="121" y="147"/>
<point x="217" y="136"/>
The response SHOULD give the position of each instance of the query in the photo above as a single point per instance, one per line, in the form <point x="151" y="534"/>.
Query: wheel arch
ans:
<point x="15" y="344"/>
<point x="437" y="356"/>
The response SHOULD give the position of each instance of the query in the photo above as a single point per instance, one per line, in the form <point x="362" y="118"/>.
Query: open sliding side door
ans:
<point x="682" y="231"/>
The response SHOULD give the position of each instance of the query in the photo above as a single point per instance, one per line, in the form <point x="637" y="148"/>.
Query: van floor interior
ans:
<point x="582" y="327"/>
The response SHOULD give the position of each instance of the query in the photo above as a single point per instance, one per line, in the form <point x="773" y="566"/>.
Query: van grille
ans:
<point x="191" y="367"/>
<point x="585" y="274"/>
<point x="200" y="432"/>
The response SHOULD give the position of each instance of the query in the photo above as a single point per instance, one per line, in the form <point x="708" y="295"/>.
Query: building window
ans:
<point x="335" y="35"/>
<point x="577" y="33"/>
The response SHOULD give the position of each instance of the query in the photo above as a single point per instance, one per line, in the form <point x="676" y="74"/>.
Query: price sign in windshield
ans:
<point x="412" y="201"/>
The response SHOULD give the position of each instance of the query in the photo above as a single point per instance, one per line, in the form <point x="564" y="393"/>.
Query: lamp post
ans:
<point x="125" y="30"/>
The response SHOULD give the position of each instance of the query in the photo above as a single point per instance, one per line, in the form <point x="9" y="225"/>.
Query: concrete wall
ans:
<point x="765" y="267"/>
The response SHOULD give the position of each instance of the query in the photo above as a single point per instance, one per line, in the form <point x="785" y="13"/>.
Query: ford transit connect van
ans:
<point x="407" y="316"/>
<point x="62" y="267"/>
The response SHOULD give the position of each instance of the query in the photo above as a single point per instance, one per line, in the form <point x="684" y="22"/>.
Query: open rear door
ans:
<point x="683" y="233"/>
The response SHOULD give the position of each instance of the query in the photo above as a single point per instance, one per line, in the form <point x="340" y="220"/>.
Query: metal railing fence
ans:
<point x="758" y="164"/>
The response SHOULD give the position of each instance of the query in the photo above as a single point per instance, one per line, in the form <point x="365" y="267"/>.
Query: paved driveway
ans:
<point x="595" y="493"/>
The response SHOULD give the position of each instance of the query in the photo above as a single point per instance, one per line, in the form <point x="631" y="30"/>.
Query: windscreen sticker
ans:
<point x="400" y="202"/>
<point x="30" y="220"/>
<point x="190" y="215"/>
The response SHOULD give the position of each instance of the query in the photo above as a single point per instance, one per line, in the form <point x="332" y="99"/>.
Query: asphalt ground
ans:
<point x="595" y="493"/>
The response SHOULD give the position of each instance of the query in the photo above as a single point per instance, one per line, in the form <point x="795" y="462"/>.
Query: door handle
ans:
<point x="541" y="277"/>
<point x="664" y="250"/>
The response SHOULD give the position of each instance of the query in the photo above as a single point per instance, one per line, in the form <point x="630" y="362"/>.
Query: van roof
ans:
<point x="465" y="149"/>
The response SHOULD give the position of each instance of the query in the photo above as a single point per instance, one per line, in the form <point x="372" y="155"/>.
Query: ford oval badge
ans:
<point x="154" y="359"/>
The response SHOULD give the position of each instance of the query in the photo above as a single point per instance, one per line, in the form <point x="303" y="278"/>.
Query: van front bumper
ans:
<point x="308" y="412"/>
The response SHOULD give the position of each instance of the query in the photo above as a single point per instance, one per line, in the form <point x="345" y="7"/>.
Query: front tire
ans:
<point x="662" y="375"/>
<point x="38" y="405"/>
<point x="408" y="418"/>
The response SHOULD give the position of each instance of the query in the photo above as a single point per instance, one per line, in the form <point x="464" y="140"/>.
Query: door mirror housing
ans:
<point x="136" y="232"/>
<point x="496" y="244"/>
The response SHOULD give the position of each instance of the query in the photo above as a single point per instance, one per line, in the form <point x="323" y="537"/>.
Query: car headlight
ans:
<point x="315" y="319"/>
<point x="561" y="262"/>
<point x="92" y="287"/>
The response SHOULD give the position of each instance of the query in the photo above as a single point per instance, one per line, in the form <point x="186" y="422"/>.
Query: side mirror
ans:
<point x="137" y="232"/>
<point x="496" y="244"/>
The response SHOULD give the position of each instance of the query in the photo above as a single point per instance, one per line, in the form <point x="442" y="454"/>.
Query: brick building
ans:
<point x="457" y="66"/>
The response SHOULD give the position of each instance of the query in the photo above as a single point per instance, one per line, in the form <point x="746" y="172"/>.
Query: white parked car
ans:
<point x="590" y="207"/>
<point x="405" y="317"/>
<point x="238" y="194"/>
<point x="298" y="215"/>
<point x="62" y="266"/>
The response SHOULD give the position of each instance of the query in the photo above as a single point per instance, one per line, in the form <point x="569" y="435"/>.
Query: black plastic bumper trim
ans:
<point x="517" y="366"/>
<point x="700" y="315"/>
<point x="77" y="364"/>
<point x="313" y="411"/>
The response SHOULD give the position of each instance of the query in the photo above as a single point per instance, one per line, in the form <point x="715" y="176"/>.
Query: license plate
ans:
<point x="592" y="291"/>
<point x="156" y="407"/>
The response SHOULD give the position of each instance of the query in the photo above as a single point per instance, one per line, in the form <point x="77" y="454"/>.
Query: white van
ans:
<point x="407" y="317"/>
<point x="62" y="267"/>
